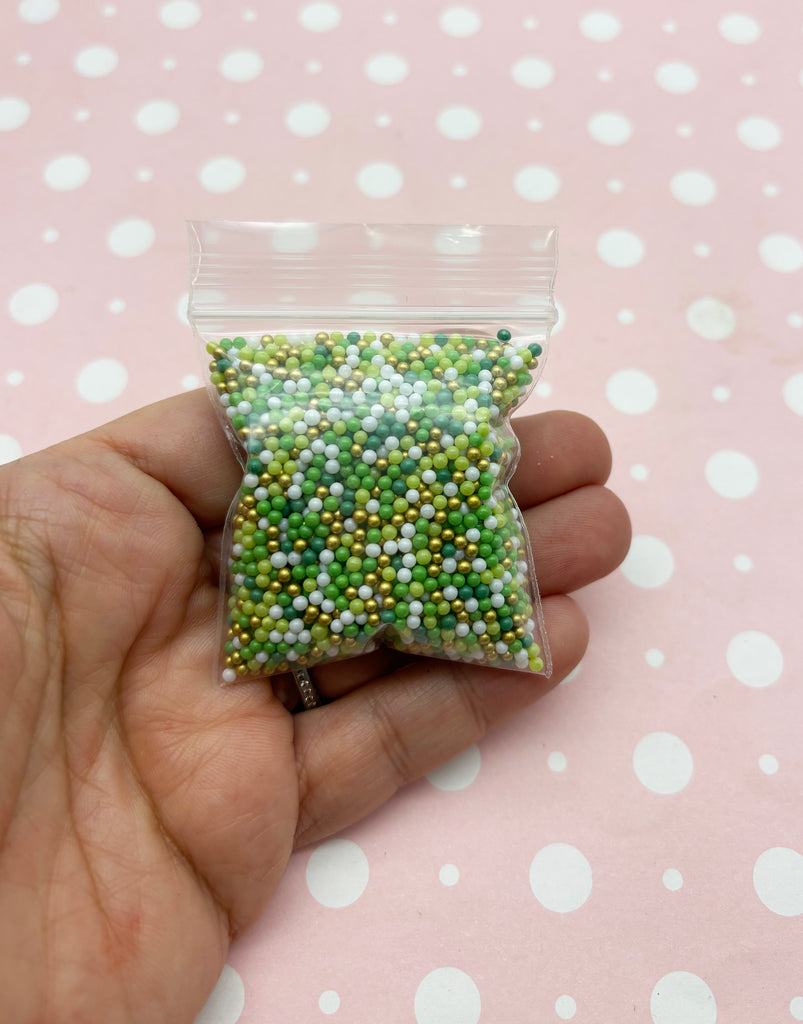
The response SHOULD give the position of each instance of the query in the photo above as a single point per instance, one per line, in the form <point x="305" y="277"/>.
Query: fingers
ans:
<point x="355" y="753"/>
<point x="181" y="443"/>
<point x="560" y="451"/>
<point x="577" y="538"/>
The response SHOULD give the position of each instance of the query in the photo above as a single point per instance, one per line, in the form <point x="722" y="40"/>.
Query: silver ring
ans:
<point x="309" y="694"/>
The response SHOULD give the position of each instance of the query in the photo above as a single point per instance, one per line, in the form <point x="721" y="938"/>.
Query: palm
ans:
<point x="146" y="814"/>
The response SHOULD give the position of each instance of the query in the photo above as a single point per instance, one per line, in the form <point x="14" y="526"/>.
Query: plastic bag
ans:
<point x="366" y="375"/>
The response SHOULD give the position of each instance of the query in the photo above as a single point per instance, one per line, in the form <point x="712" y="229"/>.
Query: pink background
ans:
<point x="632" y="847"/>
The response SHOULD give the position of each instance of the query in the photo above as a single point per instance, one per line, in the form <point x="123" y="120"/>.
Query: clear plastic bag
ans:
<point x="366" y="375"/>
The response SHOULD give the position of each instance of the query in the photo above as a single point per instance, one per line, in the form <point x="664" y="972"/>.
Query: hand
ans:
<point x="146" y="813"/>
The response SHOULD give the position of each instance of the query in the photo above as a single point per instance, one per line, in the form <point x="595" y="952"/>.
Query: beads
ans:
<point x="374" y="506"/>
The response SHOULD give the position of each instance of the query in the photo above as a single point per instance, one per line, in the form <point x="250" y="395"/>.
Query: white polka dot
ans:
<point x="796" y="1007"/>
<point x="536" y="184"/>
<point x="447" y="995"/>
<point x="449" y="875"/>
<point x="222" y="174"/>
<point x="759" y="133"/>
<point x="631" y="391"/>
<point x="382" y="120"/>
<point x="14" y="112"/>
<point x="739" y="28"/>
<point x="144" y="174"/>
<point x="702" y="250"/>
<point x="241" y="65"/>
<point x="460" y="22"/>
<point x="685" y="130"/>
<point x="605" y="75"/>
<point x="744" y="563"/>
<point x="670" y="27"/>
<point x="770" y="190"/>
<point x="387" y="69"/>
<point x="639" y="471"/>
<point x="560" y="878"/>
<point x="556" y="761"/>
<point x="458" y="181"/>
<point x="457" y="242"/>
<point x="337" y="873"/>
<point x="530" y="23"/>
<point x="459" y="70"/>
<point x="294" y="237"/>
<point x="226" y="1004"/>
<point x="249" y="14"/>
<point x="180" y="14"/>
<point x="82" y="115"/>
<point x="33" y="304"/>
<point x="620" y="248"/>
<point x="610" y="128"/>
<point x="663" y="763"/>
<point x="532" y="73"/>
<point x="649" y="562"/>
<point x="543" y="389"/>
<point x="116" y="306"/>
<point x="320" y="17"/>
<point x="615" y="185"/>
<point x="391" y="18"/>
<point x="131" y="237"/>
<point x="768" y="764"/>
<point x="535" y="124"/>
<point x="67" y="172"/>
<point x="380" y="180"/>
<point x="458" y="773"/>
<point x="15" y="377"/>
<point x="329" y="1001"/>
<point x="755" y="659"/>
<point x="102" y="380"/>
<point x="778" y="881"/>
<point x="600" y="26"/>
<point x="459" y="123"/>
<point x="720" y="393"/>
<point x="782" y="253"/>
<point x="682" y="998"/>
<point x="36" y="12"/>
<point x="793" y="393"/>
<point x="157" y="117"/>
<point x="731" y="474"/>
<point x="307" y="119"/>
<point x="672" y="879"/>
<point x="654" y="657"/>
<point x="693" y="188"/>
<point x="676" y="77"/>
<point x="232" y="117"/>
<point x="10" y="449"/>
<point x="565" y="1007"/>
<point x="96" y="61"/>
<point x="795" y="320"/>
<point x="313" y="67"/>
<point x="169" y="63"/>
<point x="711" y="318"/>
<point x="626" y="316"/>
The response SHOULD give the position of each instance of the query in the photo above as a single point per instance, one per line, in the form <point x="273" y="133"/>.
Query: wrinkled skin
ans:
<point x="147" y="814"/>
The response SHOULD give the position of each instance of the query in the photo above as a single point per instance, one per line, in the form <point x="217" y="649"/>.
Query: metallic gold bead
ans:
<point x="228" y="661"/>
<point x="453" y="504"/>
<point x="436" y="434"/>
<point x="497" y="397"/>
<point x="275" y="587"/>
<point x="517" y="619"/>
<point x="359" y="515"/>
<point x="266" y="339"/>
<point x="324" y="618"/>
<point x="332" y="542"/>
<point x="244" y="638"/>
<point x="312" y="433"/>
<point x="383" y="561"/>
<point x="472" y="551"/>
<point x="460" y="541"/>
<point x="521" y="632"/>
<point x="458" y="476"/>
<point x="386" y="337"/>
<point x="327" y="518"/>
<point x="350" y="593"/>
<point x="508" y="637"/>
<point x="371" y="579"/>
<point x="242" y="670"/>
<point x="447" y="534"/>
<point x="371" y="606"/>
<point x="437" y="372"/>
<point x="440" y="515"/>
<point x="335" y="639"/>
<point x="452" y="385"/>
<point x="412" y="514"/>
<point x="293" y="590"/>
<point x="373" y="619"/>
<point x="321" y="337"/>
<point x="434" y="569"/>
<point x="483" y="465"/>
<point x="373" y="521"/>
<point x="389" y="602"/>
<point x="311" y="613"/>
<point x="350" y="385"/>
<point x="232" y="386"/>
<point x="281" y="373"/>
<point x="473" y="501"/>
<point x="508" y="545"/>
<point x="464" y="566"/>
<point x="457" y="605"/>
<point x="235" y="658"/>
<point x="437" y="557"/>
<point x="507" y="656"/>
<point x="272" y="532"/>
<point x="321" y="492"/>
<point x="426" y="497"/>
<point x="299" y="545"/>
<point x="473" y="454"/>
<point x="230" y="373"/>
<point x="238" y="521"/>
<point x="248" y="500"/>
<point x="284" y="480"/>
<point x="337" y="527"/>
<point x="284" y="575"/>
<point x="490" y="615"/>
<point x="255" y="622"/>
<point x="403" y="367"/>
<point x="462" y="616"/>
<point x="507" y="563"/>
<point x="355" y="451"/>
<point x="349" y="643"/>
<point x="385" y="588"/>
<point x="397" y="520"/>
<point x="381" y="465"/>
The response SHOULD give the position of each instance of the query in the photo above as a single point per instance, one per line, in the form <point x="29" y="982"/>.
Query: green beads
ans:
<point x="374" y="506"/>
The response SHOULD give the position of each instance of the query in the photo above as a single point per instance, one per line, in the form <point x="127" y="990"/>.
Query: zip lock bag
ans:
<point x="366" y="376"/>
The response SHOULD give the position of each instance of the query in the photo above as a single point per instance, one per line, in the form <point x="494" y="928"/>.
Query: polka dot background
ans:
<point x="632" y="847"/>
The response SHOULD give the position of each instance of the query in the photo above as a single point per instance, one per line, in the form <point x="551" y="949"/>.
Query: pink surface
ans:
<point x="632" y="848"/>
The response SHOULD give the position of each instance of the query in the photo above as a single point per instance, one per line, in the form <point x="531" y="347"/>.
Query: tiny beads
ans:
<point x="374" y="508"/>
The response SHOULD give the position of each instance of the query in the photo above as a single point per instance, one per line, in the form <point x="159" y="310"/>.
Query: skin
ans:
<point x="146" y="813"/>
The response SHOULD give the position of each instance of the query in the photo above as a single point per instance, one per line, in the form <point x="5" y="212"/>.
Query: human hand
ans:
<point x="147" y="814"/>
